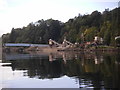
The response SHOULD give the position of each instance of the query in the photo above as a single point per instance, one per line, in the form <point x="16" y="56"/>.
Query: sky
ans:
<point x="19" y="13"/>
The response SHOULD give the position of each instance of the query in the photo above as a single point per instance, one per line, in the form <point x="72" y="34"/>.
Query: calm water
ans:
<point x="60" y="70"/>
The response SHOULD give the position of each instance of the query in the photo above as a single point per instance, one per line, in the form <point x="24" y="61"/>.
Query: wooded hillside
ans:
<point x="105" y="25"/>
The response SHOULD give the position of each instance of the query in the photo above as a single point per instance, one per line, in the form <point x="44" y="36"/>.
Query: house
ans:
<point x="98" y="40"/>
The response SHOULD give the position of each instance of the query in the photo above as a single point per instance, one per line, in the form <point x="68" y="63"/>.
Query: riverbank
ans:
<point x="56" y="49"/>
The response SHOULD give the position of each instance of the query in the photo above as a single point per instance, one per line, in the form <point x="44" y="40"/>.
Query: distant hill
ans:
<point x="82" y="27"/>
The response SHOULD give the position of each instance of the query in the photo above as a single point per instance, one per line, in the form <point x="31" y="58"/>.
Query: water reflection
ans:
<point x="90" y="69"/>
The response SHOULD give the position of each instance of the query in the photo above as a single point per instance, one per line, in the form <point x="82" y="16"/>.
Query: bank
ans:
<point x="58" y="49"/>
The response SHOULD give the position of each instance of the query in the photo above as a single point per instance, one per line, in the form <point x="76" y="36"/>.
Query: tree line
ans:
<point x="78" y="29"/>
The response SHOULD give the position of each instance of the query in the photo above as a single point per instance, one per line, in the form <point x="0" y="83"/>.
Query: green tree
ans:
<point x="90" y="33"/>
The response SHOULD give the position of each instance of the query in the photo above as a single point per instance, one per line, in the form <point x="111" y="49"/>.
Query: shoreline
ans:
<point x="55" y="49"/>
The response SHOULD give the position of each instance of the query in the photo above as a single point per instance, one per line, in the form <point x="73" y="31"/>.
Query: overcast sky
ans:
<point x="19" y="13"/>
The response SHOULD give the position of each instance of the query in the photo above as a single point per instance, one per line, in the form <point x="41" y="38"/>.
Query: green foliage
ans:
<point x="107" y="32"/>
<point x="90" y="33"/>
<point x="5" y="37"/>
<point x="105" y="25"/>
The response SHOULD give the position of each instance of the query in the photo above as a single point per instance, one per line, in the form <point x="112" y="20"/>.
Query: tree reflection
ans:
<point x="93" y="69"/>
